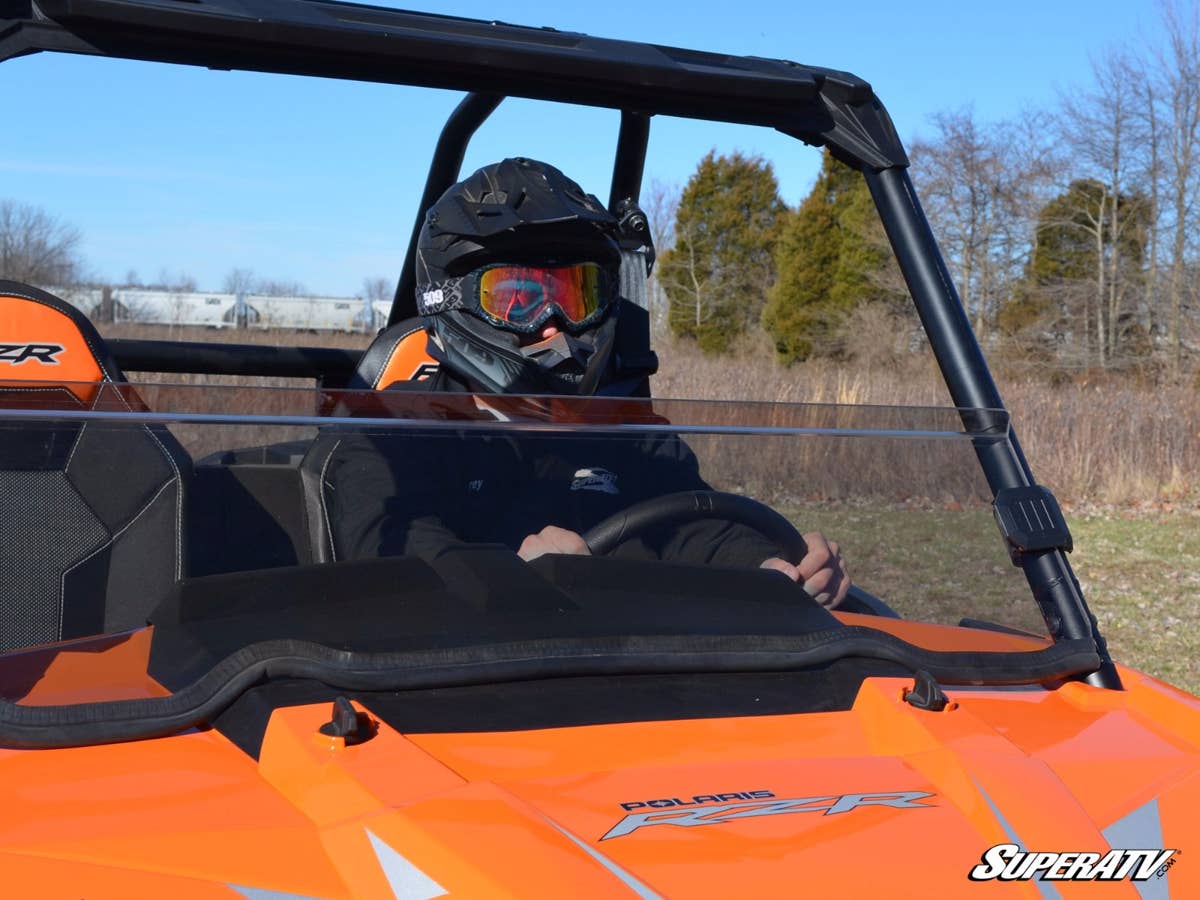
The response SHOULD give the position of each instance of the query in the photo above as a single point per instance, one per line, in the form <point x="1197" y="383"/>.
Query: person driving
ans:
<point x="517" y="275"/>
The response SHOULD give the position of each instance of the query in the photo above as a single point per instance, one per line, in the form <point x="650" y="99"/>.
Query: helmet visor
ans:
<point x="523" y="297"/>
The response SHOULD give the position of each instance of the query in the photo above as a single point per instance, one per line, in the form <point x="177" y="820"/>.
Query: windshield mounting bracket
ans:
<point x="1031" y="520"/>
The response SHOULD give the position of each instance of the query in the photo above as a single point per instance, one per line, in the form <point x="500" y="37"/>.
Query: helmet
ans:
<point x="517" y="212"/>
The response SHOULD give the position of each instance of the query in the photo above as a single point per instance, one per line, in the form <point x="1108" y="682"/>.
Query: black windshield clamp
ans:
<point x="1030" y="520"/>
<point x="926" y="693"/>
<point x="348" y="723"/>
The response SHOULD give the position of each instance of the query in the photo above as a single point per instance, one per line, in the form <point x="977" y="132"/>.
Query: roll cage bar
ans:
<point x="822" y="107"/>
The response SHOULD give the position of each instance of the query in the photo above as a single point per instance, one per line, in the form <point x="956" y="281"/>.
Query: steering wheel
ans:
<point x="689" y="506"/>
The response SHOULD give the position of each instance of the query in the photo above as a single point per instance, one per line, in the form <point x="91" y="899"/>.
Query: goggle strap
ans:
<point x="440" y="296"/>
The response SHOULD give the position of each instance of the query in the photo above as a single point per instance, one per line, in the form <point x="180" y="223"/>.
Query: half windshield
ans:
<point x="399" y="540"/>
<point x="295" y="477"/>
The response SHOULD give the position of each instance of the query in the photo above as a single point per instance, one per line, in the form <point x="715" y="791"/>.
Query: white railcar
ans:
<point x="177" y="308"/>
<point x="218" y="310"/>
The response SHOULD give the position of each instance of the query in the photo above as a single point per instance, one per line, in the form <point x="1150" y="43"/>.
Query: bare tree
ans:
<point x="982" y="187"/>
<point x="279" y="287"/>
<point x="700" y="288"/>
<point x="660" y="202"/>
<point x="180" y="283"/>
<point x="377" y="291"/>
<point x="179" y="310"/>
<point x="133" y="307"/>
<point x="1150" y="161"/>
<point x="37" y="248"/>
<point x="685" y="276"/>
<point x="238" y="281"/>
<point x="1100" y="127"/>
<point x="1177" y="75"/>
<point x="244" y="281"/>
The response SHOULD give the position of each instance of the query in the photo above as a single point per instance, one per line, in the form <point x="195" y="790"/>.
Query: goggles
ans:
<point x="523" y="297"/>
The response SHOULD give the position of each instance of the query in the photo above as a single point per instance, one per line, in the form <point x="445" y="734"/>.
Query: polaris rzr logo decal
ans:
<point x="696" y="800"/>
<point x="721" y="813"/>
<point x="1008" y="862"/>
<point x="15" y="354"/>
<point x="595" y="480"/>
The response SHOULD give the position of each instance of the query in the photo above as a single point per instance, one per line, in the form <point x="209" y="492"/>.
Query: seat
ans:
<point x="95" y="538"/>
<point x="399" y="355"/>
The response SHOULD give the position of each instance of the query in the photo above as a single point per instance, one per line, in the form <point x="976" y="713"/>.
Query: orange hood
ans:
<point x="880" y="799"/>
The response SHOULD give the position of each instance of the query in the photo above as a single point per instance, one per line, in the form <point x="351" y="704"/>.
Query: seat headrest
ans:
<point x="44" y="342"/>
<point x="398" y="354"/>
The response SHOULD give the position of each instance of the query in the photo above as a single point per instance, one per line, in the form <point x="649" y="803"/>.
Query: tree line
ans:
<point x="1071" y="232"/>
<point x="40" y="249"/>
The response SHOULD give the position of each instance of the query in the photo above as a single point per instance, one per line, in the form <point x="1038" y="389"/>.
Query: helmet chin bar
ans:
<point x="562" y="350"/>
<point x="491" y="359"/>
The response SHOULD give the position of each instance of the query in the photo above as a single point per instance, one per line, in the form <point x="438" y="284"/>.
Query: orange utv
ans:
<point x="208" y="691"/>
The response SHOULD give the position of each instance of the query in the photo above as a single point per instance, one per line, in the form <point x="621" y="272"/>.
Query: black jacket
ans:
<point x="417" y="492"/>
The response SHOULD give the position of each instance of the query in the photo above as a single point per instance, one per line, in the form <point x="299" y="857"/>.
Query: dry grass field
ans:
<point x="1123" y="458"/>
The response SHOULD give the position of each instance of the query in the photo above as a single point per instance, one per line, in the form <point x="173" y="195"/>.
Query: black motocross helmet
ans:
<point x="517" y="211"/>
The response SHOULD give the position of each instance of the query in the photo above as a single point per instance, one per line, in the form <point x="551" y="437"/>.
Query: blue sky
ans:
<point x="180" y="170"/>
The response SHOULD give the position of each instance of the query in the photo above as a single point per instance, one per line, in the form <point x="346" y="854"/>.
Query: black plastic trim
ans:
<point x="43" y="727"/>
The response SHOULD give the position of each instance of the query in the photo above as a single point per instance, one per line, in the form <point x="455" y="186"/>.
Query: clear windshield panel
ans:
<point x="127" y="489"/>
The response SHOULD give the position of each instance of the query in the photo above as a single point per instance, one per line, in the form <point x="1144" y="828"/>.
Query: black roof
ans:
<point x="821" y="106"/>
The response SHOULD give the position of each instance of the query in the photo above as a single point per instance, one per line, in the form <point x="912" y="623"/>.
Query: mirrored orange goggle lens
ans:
<point x="520" y="294"/>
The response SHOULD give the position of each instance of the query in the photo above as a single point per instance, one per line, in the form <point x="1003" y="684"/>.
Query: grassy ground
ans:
<point x="934" y="565"/>
<point x="1140" y="574"/>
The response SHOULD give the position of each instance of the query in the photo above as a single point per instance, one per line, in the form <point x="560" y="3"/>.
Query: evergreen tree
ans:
<point x="1083" y="276"/>
<point x="829" y="257"/>
<point x="717" y="275"/>
<point x="1074" y="225"/>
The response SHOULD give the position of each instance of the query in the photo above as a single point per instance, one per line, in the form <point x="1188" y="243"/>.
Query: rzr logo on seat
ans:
<point x="15" y="354"/>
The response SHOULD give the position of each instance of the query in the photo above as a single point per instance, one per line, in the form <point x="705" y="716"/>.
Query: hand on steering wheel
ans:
<point x="818" y="565"/>
<point x="689" y="506"/>
<point x="822" y="571"/>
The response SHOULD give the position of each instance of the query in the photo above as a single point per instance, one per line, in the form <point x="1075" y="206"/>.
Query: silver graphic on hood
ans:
<point x="406" y="880"/>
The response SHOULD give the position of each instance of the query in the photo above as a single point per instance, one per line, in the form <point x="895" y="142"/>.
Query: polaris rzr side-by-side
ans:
<point x="285" y="641"/>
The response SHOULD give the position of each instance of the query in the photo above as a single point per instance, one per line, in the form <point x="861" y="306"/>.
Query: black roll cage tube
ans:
<point x="823" y="107"/>
<point x="446" y="167"/>
<point x="444" y="170"/>
<point x="630" y="160"/>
